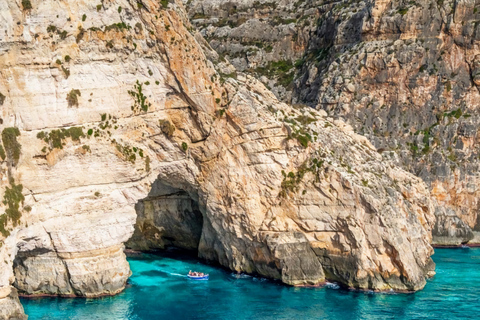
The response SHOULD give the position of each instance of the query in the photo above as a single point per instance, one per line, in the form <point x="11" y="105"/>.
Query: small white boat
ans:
<point x="204" y="277"/>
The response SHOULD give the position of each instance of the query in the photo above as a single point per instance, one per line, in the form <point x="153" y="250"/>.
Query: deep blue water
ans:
<point x="158" y="290"/>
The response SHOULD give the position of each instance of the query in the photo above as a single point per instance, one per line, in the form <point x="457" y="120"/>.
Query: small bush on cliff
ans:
<point x="2" y="99"/>
<point x="72" y="97"/>
<point x="56" y="138"/>
<point x="164" y="3"/>
<point x="2" y="153"/>
<point x="12" y="198"/>
<point x="12" y="146"/>
<point x="27" y="5"/>
<point x="166" y="127"/>
<point x="66" y="72"/>
<point x="184" y="146"/>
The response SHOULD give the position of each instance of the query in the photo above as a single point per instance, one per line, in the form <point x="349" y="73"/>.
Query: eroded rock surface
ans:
<point x="403" y="74"/>
<point x="138" y="111"/>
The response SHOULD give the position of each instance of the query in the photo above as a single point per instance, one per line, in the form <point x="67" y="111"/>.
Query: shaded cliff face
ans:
<point x="107" y="105"/>
<point x="405" y="76"/>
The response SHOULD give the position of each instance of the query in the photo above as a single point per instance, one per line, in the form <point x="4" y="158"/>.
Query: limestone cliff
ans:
<point x="403" y="74"/>
<point x="112" y="106"/>
<point x="264" y="38"/>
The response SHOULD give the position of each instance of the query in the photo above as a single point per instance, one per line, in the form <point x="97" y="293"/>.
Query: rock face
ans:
<point x="109" y="105"/>
<point x="403" y="74"/>
<point x="263" y="38"/>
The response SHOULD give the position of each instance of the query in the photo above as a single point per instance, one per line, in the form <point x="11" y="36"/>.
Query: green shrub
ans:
<point x="99" y="7"/>
<point x="72" y="97"/>
<point x="63" y="35"/>
<point x="118" y="27"/>
<point x="12" y="198"/>
<point x="2" y="153"/>
<point x="51" y="29"/>
<point x="27" y="5"/>
<point x="184" y="146"/>
<point x="2" y="99"/>
<point x="164" y="3"/>
<point x="84" y="17"/>
<point x="56" y="138"/>
<point x="12" y="146"/>
<point x="66" y="72"/>
<point x="67" y="58"/>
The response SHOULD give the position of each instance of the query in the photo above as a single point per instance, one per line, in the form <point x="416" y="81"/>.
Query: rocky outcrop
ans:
<point x="111" y="104"/>
<point x="263" y="38"/>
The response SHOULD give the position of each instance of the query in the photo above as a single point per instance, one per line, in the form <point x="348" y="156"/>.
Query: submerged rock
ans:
<point x="138" y="112"/>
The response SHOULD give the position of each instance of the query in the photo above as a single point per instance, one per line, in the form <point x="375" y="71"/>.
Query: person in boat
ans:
<point x="190" y="272"/>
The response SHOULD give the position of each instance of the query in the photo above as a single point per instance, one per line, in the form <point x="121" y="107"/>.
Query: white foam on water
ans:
<point x="332" y="285"/>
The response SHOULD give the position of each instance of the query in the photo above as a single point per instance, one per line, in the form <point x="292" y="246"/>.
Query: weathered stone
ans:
<point x="251" y="183"/>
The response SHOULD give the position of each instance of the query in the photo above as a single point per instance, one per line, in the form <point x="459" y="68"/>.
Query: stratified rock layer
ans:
<point x="118" y="102"/>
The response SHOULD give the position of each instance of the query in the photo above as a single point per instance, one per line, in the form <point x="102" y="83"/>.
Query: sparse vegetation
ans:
<point x="164" y="3"/>
<point x="12" y="198"/>
<point x="72" y="97"/>
<point x="12" y="146"/>
<point x="283" y="71"/>
<point x="2" y="99"/>
<point x="184" y="146"/>
<point x="66" y="72"/>
<point x="140" y="100"/>
<point x="2" y="153"/>
<point x="167" y="127"/>
<point x="56" y="138"/>
<point x="27" y="5"/>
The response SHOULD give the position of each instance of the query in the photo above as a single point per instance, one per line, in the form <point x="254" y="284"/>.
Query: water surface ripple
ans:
<point x="159" y="290"/>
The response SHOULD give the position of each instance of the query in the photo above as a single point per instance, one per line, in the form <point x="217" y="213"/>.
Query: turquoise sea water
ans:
<point x="159" y="290"/>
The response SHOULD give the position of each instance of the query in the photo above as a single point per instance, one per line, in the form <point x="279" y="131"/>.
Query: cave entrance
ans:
<point x="167" y="217"/>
